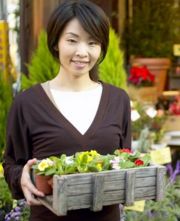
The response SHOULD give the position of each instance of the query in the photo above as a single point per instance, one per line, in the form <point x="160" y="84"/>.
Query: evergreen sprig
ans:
<point x="112" y="68"/>
<point x="42" y="67"/>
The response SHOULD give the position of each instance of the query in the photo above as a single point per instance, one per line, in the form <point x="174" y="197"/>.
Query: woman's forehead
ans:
<point x="75" y="29"/>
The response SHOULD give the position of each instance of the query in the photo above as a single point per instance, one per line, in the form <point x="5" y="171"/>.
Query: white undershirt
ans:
<point x="79" y="108"/>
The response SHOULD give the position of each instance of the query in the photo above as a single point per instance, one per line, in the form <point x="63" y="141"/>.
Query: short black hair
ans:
<point x="92" y="18"/>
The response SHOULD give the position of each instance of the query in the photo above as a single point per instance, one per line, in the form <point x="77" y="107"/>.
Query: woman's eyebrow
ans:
<point x="71" y="33"/>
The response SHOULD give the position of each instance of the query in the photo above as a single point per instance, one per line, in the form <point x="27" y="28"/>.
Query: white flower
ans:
<point x="69" y="160"/>
<point x="151" y="112"/>
<point x="50" y="162"/>
<point x="135" y="115"/>
<point x="115" y="163"/>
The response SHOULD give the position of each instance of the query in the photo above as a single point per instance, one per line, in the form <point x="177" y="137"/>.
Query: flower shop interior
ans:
<point x="143" y="58"/>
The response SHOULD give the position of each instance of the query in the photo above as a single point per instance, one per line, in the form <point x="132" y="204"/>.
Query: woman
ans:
<point x="72" y="112"/>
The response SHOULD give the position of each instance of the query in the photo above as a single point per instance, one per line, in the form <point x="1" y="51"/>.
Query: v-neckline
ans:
<point x="67" y="124"/>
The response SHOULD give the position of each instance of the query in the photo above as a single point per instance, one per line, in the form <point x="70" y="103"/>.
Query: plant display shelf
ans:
<point x="95" y="190"/>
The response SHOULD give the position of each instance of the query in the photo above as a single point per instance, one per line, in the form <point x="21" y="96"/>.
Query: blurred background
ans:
<point x="143" y="58"/>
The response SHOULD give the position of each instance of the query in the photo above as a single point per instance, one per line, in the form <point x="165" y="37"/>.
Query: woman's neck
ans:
<point x="70" y="83"/>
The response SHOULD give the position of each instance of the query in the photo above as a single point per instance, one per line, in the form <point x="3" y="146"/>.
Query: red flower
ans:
<point x="125" y="150"/>
<point x="141" y="76"/>
<point x="139" y="162"/>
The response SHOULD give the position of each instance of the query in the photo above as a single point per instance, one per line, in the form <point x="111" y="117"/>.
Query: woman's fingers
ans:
<point x="30" y="198"/>
<point x="29" y="190"/>
<point x="34" y="190"/>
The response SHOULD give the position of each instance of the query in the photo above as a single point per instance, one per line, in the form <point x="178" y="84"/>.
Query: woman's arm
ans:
<point x="17" y="153"/>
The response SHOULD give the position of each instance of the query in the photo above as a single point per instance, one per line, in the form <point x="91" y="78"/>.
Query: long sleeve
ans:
<point x="17" y="150"/>
<point x="127" y="123"/>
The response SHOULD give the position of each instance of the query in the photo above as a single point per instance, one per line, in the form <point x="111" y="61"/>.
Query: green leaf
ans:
<point x="146" y="159"/>
<point x="126" y="164"/>
<point x="50" y="171"/>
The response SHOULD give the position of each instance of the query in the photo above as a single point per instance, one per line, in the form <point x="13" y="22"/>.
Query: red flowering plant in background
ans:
<point x="174" y="107"/>
<point x="141" y="76"/>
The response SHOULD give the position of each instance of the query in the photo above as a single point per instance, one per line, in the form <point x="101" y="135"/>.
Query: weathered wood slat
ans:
<point x="145" y="181"/>
<point x="120" y="184"/>
<point x="160" y="183"/>
<point x="82" y="178"/>
<point x="85" y="199"/>
<point x="112" y="196"/>
<point x="108" y="186"/>
<point x="98" y="192"/>
<point x="60" y="195"/>
<point x="76" y="206"/>
<point x="130" y="187"/>
<point x="145" y="191"/>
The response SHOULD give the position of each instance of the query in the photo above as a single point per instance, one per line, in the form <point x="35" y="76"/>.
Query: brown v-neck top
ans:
<point x="36" y="128"/>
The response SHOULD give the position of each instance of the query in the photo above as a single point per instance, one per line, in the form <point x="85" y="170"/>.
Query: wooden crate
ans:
<point x="95" y="190"/>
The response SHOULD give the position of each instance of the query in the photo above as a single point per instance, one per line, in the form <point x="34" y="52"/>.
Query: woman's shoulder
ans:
<point x="116" y="91"/>
<point x="26" y="96"/>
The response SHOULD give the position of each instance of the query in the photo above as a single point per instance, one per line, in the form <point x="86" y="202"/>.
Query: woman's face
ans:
<point x="78" y="51"/>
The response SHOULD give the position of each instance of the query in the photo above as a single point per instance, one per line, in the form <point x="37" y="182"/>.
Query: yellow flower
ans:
<point x="82" y="154"/>
<point x="1" y="171"/>
<point x="43" y="165"/>
<point x="99" y="166"/>
<point x="89" y="159"/>
<point x="94" y="153"/>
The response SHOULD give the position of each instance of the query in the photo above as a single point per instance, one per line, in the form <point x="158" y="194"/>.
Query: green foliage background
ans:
<point x="6" y="201"/>
<point x="5" y="102"/>
<point x="42" y="66"/>
<point x="112" y="68"/>
<point x="153" y="29"/>
<point x="167" y="209"/>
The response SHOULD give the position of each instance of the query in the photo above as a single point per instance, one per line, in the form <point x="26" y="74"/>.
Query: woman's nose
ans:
<point x="82" y="50"/>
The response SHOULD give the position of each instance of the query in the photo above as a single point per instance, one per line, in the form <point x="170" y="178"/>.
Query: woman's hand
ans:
<point x="29" y="190"/>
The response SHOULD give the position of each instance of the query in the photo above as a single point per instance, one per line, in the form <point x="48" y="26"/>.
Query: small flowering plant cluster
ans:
<point x="19" y="212"/>
<point x="147" y="116"/>
<point x="90" y="161"/>
<point x="125" y="158"/>
<point x="141" y="76"/>
<point x="174" y="107"/>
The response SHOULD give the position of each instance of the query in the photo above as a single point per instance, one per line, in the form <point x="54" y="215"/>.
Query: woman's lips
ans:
<point x="80" y="64"/>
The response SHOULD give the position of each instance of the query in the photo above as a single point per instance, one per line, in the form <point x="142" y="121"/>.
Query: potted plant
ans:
<point x="141" y="84"/>
<point x="151" y="34"/>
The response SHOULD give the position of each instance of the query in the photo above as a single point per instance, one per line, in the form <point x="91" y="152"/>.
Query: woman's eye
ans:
<point x="71" y="40"/>
<point x="92" y="43"/>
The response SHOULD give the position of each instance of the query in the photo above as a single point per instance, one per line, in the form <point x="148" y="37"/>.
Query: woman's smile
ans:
<point x="80" y="64"/>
